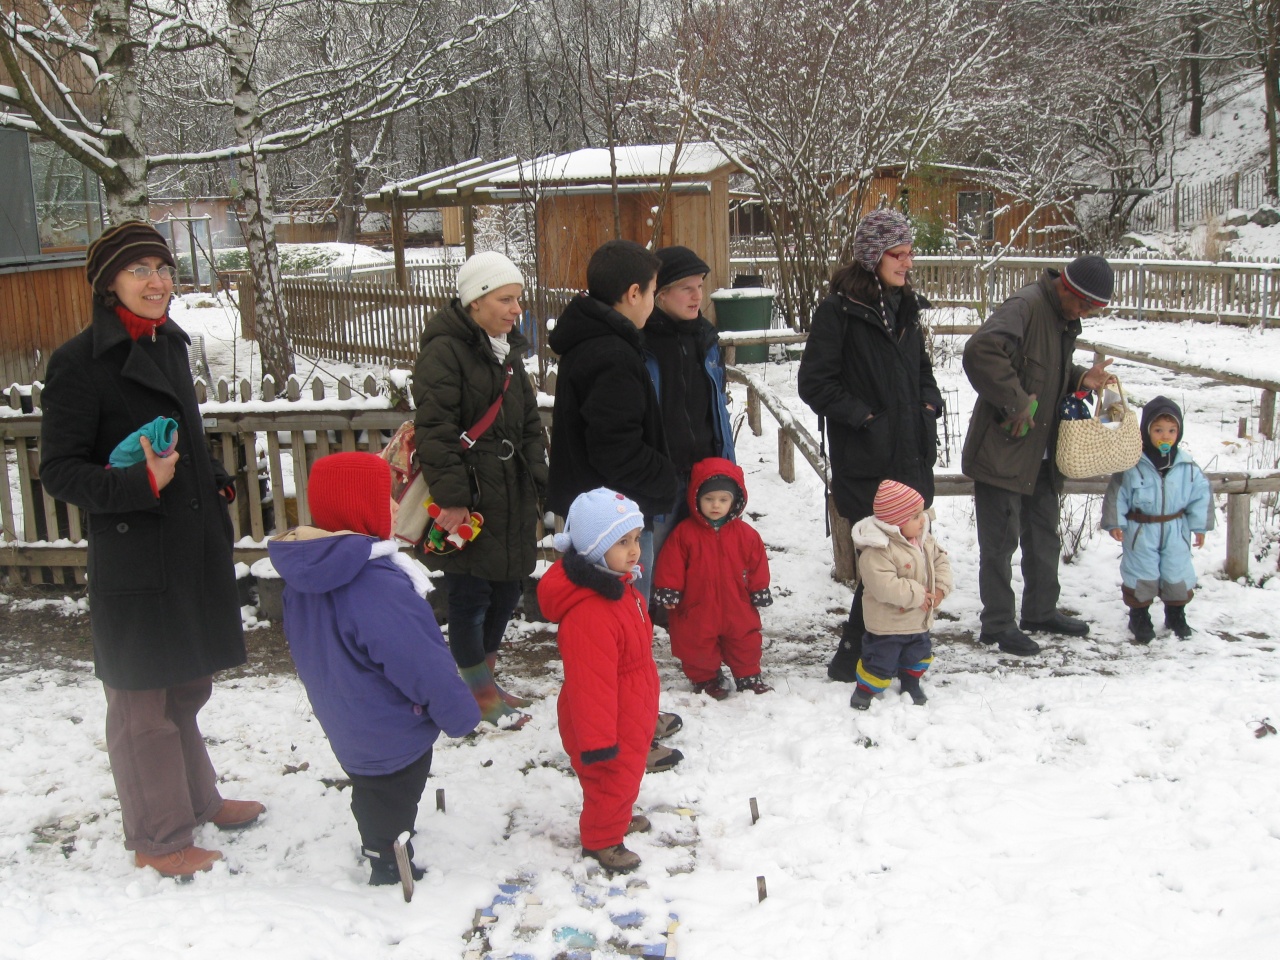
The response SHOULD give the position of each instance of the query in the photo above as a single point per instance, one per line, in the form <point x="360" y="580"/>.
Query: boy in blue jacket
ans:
<point x="1156" y="508"/>
<point x="377" y="670"/>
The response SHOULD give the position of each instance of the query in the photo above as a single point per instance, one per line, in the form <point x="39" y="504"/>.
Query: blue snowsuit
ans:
<point x="1157" y="556"/>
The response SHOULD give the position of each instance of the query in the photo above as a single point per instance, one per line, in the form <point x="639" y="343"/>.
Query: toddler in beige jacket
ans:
<point x="905" y="575"/>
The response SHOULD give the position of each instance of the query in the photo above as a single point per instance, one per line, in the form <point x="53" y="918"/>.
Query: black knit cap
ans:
<point x="678" y="263"/>
<point x="120" y="246"/>
<point x="719" y="484"/>
<point x="1090" y="278"/>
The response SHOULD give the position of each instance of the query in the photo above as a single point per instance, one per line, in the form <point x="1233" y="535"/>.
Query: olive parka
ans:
<point x="455" y="380"/>
<point x="163" y="603"/>
<point x="1025" y="346"/>
<point x="854" y="367"/>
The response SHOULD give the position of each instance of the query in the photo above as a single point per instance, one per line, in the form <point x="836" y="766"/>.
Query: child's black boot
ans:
<point x="861" y="699"/>
<point x="911" y="687"/>
<point x="383" y="869"/>
<point x="1140" y="625"/>
<point x="1175" y="618"/>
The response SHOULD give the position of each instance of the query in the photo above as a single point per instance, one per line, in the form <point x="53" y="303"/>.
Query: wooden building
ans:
<point x="652" y="194"/>
<point x="969" y="203"/>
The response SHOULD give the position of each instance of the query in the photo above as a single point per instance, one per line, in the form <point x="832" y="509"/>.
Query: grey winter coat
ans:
<point x="1024" y="347"/>
<point x="455" y="380"/>
<point x="163" y="604"/>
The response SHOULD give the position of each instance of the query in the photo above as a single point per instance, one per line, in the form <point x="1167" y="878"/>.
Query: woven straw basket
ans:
<point x="1091" y="448"/>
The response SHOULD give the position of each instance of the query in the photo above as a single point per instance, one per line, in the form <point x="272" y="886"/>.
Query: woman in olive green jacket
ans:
<point x="470" y="355"/>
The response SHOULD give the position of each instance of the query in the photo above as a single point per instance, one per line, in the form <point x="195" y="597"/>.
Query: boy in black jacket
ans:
<point x="608" y="426"/>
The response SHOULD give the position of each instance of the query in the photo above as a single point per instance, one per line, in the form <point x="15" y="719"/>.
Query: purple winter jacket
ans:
<point x="378" y="673"/>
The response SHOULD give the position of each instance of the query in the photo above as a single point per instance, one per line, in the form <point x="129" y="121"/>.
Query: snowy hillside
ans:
<point x="1099" y="799"/>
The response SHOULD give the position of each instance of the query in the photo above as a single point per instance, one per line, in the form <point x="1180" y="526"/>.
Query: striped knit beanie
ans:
<point x="896" y="503"/>
<point x="120" y="246"/>
<point x="351" y="491"/>
<point x="879" y="231"/>
<point x="1090" y="279"/>
<point x="597" y="520"/>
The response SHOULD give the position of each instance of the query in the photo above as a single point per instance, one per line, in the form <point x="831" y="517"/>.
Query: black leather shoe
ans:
<point x="1012" y="641"/>
<point x="1058" y="623"/>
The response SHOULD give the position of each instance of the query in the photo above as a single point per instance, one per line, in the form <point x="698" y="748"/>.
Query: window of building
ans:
<point x="19" y="239"/>
<point x="975" y="214"/>
<point x="68" y="199"/>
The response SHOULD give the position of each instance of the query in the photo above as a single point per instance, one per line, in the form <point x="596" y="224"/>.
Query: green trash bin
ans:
<point x="745" y="308"/>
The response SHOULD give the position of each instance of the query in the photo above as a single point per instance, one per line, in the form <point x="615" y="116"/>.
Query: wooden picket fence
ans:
<point x="1243" y="294"/>
<point x="1190" y="204"/>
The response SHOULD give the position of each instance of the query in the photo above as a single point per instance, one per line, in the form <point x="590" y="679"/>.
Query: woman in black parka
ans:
<point x="469" y="350"/>
<point x="163" y="604"/>
<point x="867" y="373"/>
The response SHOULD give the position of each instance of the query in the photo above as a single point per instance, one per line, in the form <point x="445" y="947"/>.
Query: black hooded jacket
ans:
<point x="607" y="429"/>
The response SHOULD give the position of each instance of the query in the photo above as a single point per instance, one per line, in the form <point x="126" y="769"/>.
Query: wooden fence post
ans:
<point x="1238" y="535"/>
<point x="753" y="412"/>
<point x="841" y="544"/>
<point x="786" y="456"/>
<point x="1267" y="414"/>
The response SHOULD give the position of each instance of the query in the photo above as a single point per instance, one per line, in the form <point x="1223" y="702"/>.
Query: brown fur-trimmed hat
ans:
<point x="120" y="246"/>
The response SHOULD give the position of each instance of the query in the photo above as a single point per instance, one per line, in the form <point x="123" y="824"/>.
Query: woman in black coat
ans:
<point x="866" y="372"/>
<point x="163" y="604"/>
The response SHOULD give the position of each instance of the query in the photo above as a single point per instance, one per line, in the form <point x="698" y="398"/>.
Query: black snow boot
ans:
<point x="843" y="667"/>
<point x="1175" y="618"/>
<point x="911" y="687"/>
<point x="383" y="869"/>
<point x="1140" y="624"/>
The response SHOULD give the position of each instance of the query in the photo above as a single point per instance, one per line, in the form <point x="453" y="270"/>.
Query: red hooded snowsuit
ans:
<point x="608" y="706"/>
<point x="721" y="576"/>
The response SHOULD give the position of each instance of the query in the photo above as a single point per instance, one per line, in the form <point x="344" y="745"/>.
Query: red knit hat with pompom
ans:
<point x="351" y="491"/>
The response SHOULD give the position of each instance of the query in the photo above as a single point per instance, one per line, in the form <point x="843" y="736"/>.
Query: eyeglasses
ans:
<point x="143" y="272"/>
<point x="904" y="255"/>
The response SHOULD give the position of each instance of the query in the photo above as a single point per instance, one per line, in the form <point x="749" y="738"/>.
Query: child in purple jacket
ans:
<point x="379" y="675"/>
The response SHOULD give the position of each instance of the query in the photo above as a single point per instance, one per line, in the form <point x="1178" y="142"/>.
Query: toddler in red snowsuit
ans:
<point x="608" y="706"/>
<point x="713" y="576"/>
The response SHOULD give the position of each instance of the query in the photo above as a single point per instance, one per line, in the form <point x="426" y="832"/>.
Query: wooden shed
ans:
<point x="655" y="194"/>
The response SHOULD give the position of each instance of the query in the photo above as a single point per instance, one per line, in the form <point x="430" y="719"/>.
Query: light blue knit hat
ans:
<point x="597" y="520"/>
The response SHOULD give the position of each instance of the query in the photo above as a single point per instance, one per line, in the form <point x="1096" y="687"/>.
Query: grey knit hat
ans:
<point x="1091" y="279"/>
<point x="879" y="231"/>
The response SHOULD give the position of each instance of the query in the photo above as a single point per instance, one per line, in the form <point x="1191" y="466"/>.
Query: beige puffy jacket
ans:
<point x="897" y="577"/>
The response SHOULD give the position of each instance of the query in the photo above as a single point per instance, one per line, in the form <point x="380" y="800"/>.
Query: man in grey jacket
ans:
<point x="1021" y="364"/>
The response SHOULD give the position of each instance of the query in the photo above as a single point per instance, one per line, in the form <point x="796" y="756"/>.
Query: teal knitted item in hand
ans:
<point x="163" y="434"/>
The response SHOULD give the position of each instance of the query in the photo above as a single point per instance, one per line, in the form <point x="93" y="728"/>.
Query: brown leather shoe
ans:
<point x="615" y="859"/>
<point x="235" y="814"/>
<point x="180" y="863"/>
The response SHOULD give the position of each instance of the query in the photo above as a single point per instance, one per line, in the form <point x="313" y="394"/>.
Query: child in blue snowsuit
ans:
<point x="376" y="668"/>
<point x="1156" y="508"/>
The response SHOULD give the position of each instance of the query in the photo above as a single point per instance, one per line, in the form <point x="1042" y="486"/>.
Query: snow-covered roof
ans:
<point x="639" y="162"/>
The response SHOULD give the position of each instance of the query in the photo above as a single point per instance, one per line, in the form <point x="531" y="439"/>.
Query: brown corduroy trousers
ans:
<point x="164" y="777"/>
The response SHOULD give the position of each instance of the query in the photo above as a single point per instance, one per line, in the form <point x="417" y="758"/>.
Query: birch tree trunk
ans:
<point x="255" y="194"/>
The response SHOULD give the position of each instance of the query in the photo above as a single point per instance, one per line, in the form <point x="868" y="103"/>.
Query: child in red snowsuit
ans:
<point x="608" y="705"/>
<point x="713" y="576"/>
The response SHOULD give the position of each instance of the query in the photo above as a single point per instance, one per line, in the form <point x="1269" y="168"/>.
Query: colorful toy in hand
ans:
<point x="1074" y="406"/>
<point x="437" y="540"/>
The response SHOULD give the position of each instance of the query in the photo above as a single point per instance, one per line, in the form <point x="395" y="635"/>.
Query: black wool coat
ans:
<point x="455" y="380"/>
<point x="163" y="604"/>
<point x="607" y="429"/>
<point x="854" y="367"/>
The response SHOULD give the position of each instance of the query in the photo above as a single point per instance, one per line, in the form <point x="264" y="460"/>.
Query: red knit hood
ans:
<point x="709" y="469"/>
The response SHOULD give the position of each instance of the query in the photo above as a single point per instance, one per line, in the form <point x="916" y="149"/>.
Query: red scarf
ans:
<point x="138" y="326"/>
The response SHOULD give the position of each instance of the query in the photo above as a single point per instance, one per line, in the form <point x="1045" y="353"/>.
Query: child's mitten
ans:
<point x="761" y="598"/>
<point x="162" y="432"/>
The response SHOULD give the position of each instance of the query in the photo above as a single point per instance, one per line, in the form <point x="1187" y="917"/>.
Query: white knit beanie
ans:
<point x="597" y="520"/>
<point x="484" y="273"/>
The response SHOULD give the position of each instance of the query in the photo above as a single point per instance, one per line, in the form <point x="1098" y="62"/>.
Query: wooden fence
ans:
<point x="1189" y="204"/>
<point x="1237" y="293"/>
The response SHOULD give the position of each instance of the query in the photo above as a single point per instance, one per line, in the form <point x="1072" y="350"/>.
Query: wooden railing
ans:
<point x="372" y="322"/>
<point x="1237" y="293"/>
<point x="1238" y="486"/>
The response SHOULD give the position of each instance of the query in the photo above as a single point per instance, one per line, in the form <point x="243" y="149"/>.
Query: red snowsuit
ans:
<point x="718" y="578"/>
<point x="608" y="706"/>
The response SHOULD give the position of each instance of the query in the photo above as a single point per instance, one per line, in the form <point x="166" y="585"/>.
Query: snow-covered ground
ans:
<point x="1099" y="799"/>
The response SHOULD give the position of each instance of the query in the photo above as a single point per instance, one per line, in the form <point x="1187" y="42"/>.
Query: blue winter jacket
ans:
<point x="1159" y="552"/>
<point x="378" y="673"/>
